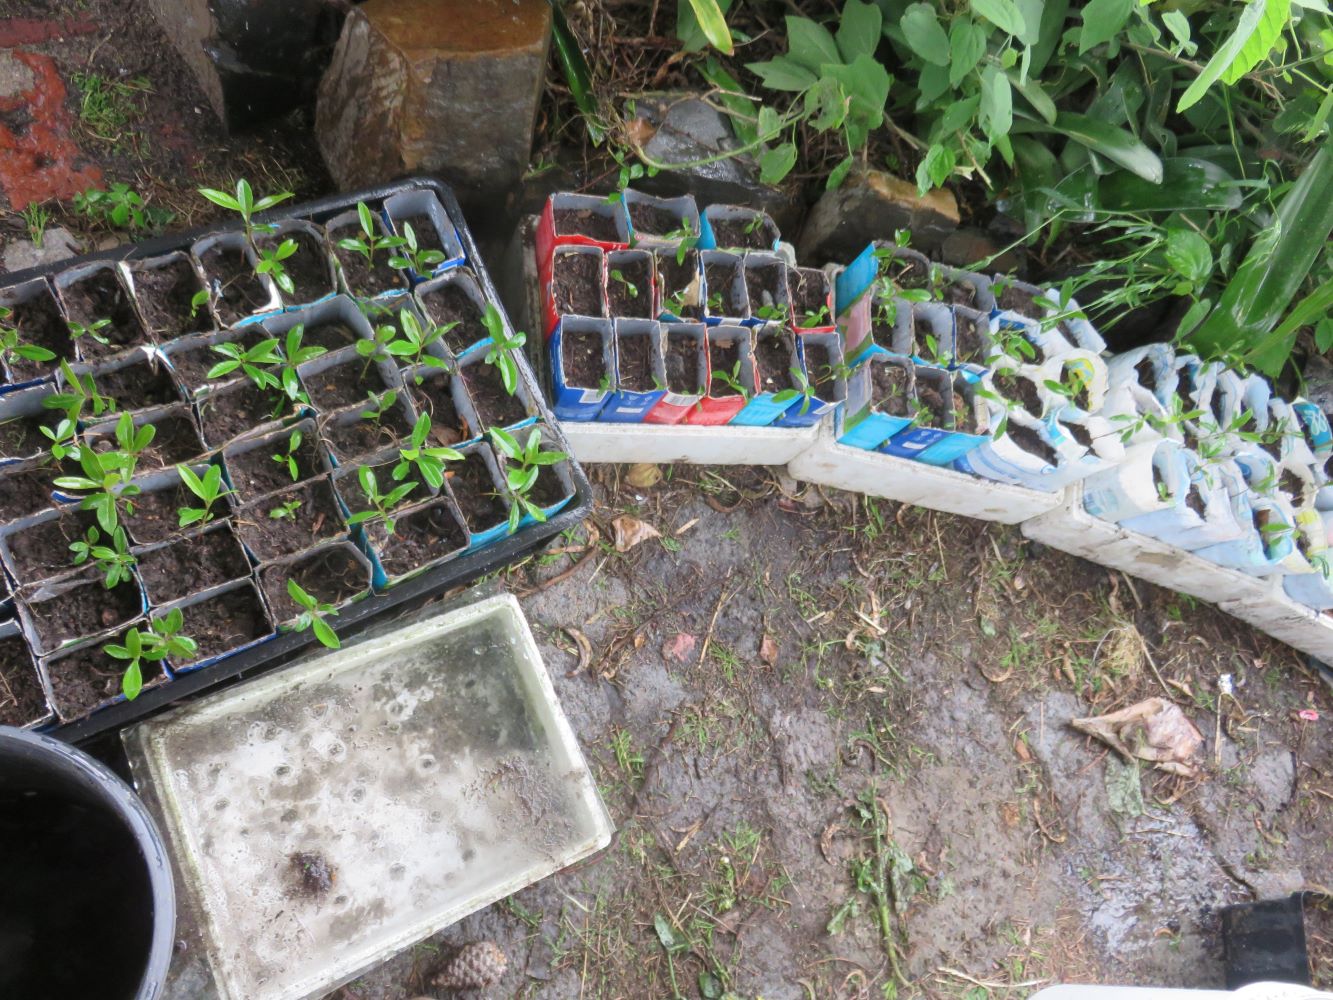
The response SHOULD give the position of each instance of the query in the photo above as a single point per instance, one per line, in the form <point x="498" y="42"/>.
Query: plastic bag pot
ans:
<point x="970" y="290"/>
<point x="1259" y="552"/>
<point x="685" y="361"/>
<point x="1151" y="479"/>
<point x="720" y="403"/>
<point x="867" y="422"/>
<point x="801" y="280"/>
<point x="406" y="205"/>
<point x="820" y="359"/>
<point x="682" y="208"/>
<point x="1030" y="454"/>
<point x="1057" y="327"/>
<point x="632" y="394"/>
<point x="35" y="296"/>
<point x="91" y="865"/>
<point x="1150" y="369"/>
<point x="1293" y="447"/>
<point x="1314" y="426"/>
<point x="754" y="229"/>
<point x="571" y="399"/>
<point x="1203" y="513"/>
<point x="1081" y="369"/>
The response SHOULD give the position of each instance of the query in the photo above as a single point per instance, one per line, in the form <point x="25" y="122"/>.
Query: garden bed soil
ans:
<point x="653" y="220"/>
<point x="175" y="440"/>
<point x="678" y="278"/>
<point x="101" y="296"/>
<point x="1031" y="442"/>
<point x="343" y="385"/>
<point x="362" y="279"/>
<point x="764" y="289"/>
<point x="637" y="273"/>
<point x="742" y="234"/>
<point x="971" y="335"/>
<point x="635" y="363"/>
<point x="723" y="357"/>
<point x="156" y="514"/>
<point x="495" y="407"/>
<point x="22" y="437"/>
<point x="354" y="439"/>
<point x="576" y="284"/>
<point x="316" y="519"/>
<point x="682" y="364"/>
<point x="84" y="679"/>
<point x="308" y="267"/>
<point x="331" y="336"/>
<point x="237" y="291"/>
<point x="450" y="306"/>
<point x="137" y="386"/>
<point x="476" y="493"/>
<point x="83" y="610"/>
<point x="24" y="492"/>
<point x="891" y="390"/>
<point x="809" y="288"/>
<point x="1018" y="300"/>
<point x="582" y="360"/>
<point x="41" y="551"/>
<point x="1020" y="390"/>
<point x="255" y="473"/>
<point x="192" y="564"/>
<point x="165" y="297"/>
<point x="231" y="410"/>
<point x="585" y="222"/>
<point x="21" y="697"/>
<point x="331" y="575"/>
<point x="720" y="281"/>
<point x="39" y="323"/>
<point x="420" y="536"/>
<point x="774" y="358"/>
<point x="225" y="622"/>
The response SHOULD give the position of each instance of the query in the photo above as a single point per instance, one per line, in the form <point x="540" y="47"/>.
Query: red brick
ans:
<point x="16" y="31"/>
<point x="39" y="159"/>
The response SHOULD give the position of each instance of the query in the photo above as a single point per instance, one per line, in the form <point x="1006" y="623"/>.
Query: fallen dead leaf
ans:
<point x="679" y="647"/>
<point x="630" y="531"/>
<point x="768" y="651"/>
<point x="1009" y="814"/>
<point x="585" y="647"/>
<point x="1154" y="730"/>
<point x="1021" y="748"/>
<point x="643" y="475"/>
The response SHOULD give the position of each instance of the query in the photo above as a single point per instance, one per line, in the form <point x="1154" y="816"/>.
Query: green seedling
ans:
<point x="287" y="458"/>
<point x="105" y="485"/>
<point x="271" y="263"/>
<point x="817" y="317"/>
<point x="293" y="356"/>
<point x="715" y="304"/>
<point x="133" y="441"/>
<point x="523" y="463"/>
<point x="382" y="504"/>
<point x="499" y="353"/>
<point x="428" y="460"/>
<point x="64" y="439"/>
<point x="35" y="217"/>
<point x="411" y="345"/>
<point x="410" y="257"/>
<point x="111" y="557"/>
<point x="80" y="398"/>
<point x="243" y="204"/>
<point x="208" y="488"/>
<point x="369" y="242"/>
<point x="198" y="301"/>
<point x="772" y="313"/>
<point x="163" y="639"/>
<point x="256" y="362"/>
<point x="688" y="240"/>
<point x="732" y="380"/>
<point x="122" y="208"/>
<point x="13" y="348"/>
<point x="631" y="289"/>
<point x="378" y="405"/>
<point x="92" y="331"/>
<point x="801" y="389"/>
<point x="313" y="615"/>
<point x="285" y="511"/>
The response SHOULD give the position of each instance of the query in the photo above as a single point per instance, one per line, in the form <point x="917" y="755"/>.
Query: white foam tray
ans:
<point x="724" y="445"/>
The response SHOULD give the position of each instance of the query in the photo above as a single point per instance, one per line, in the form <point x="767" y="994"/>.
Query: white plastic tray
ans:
<point x="724" y="445"/>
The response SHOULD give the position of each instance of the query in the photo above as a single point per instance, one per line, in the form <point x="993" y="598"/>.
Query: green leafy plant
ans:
<point x="732" y="380"/>
<point x="209" y="488"/>
<point x="293" y="355"/>
<point x="271" y="263"/>
<point x="618" y="276"/>
<point x="313" y="616"/>
<point x="501" y="344"/>
<point x="80" y="398"/>
<point x="163" y="639"/>
<point x="523" y="463"/>
<point x="36" y="217"/>
<point x="257" y="362"/>
<point x="773" y="313"/>
<point x="411" y="346"/>
<point x="378" y="405"/>
<point x="287" y="457"/>
<point x="815" y="317"/>
<point x="369" y="242"/>
<point x="427" y="459"/>
<point x="801" y="390"/>
<point x="12" y="346"/>
<point x="243" y="203"/>
<point x="105" y="485"/>
<point x="410" y="257"/>
<point x="198" y="301"/>
<point x="121" y="207"/>
<point x="93" y="331"/>
<point x="284" y="511"/>
<point x="382" y="504"/>
<point x="112" y="557"/>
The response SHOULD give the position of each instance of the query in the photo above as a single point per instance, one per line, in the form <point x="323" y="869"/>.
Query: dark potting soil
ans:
<point x="165" y="297"/>
<point x="819" y="370"/>
<point x="1291" y="484"/>
<point x="193" y="363"/>
<point x="547" y="489"/>
<point x="364" y="280"/>
<point x="1146" y="373"/>
<point x="192" y="564"/>
<point x="316" y="518"/>
<point x="809" y="289"/>
<point x="960" y="293"/>
<point x="342" y="385"/>
<point x="137" y="386"/>
<point x="679" y="283"/>
<point x="742" y="234"/>
<point x="352" y="436"/>
<point x="235" y="408"/>
<point x="41" y="551"/>
<point x="576" y="284"/>
<point x="765" y="286"/>
<point x="774" y="357"/>
<point x="225" y="622"/>
<point x="331" y="574"/>
<point x="237" y="292"/>
<point x="891" y="390"/>
<point x="22" y="437"/>
<point x="24" y="492"/>
<point x="156" y="514"/>
<point x="909" y="273"/>
<point x="435" y="396"/>
<point x="21" y="699"/>
<point x="635" y="363"/>
<point x="476" y="493"/>
<point x="1194" y="500"/>
<point x="1273" y="446"/>
<point x="1079" y="433"/>
<point x="255" y="473"/>
<point x="83" y="610"/>
<point x="683" y="364"/>
<point x="1020" y="390"/>
<point x="582" y="360"/>
<point x="933" y="400"/>
<point x="39" y="323"/>
<point x="971" y="335"/>
<point x="71" y="873"/>
<point x="419" y="536"/>
<point x="423" y="228"/>
<point x="1031" y="442"/>
<point x="652" y="220"/>
<point x="348" y="486"/>
<point x="964" y="414"/>
<point x="631" y="294"/>
<point x="1015" y="299"/>
<point x="175" y="440"/>
<point x="495" y="407"/>
<point x="597" y="226"/>
<point x="883" y="320"/>
<point x="451" y="307"/>
<point x="329" y="336"/>
<point x="720" y="281"/>
<point x="101" y="296"/>
<point x="85" y="679"/>
<point x="723" y="357"/>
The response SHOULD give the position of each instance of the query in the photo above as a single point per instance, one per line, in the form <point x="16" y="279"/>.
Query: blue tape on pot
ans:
<point x="855" y="279"/>
<point x="625" y="407"/>
<point x="488" y="536"/>
<point x="707" y="238"/>
<point x="761" y="410"/>
<point x="912" y="441"/>
<point x="9" y="387"/>
<point x="812" y="414"/>
<point x="873" y="430"/>
<point x="305" y="305"/>
<point x="1314" y="421"/>
<point x="570" y="402"/>
<point x="950" y="448"/>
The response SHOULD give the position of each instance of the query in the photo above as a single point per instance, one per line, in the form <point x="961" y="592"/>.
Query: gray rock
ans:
<point x="969" y="245"/>
<point x="57" y="244"/>
<point x="15" y="76"/>
<point x="429" y="86"/>
<point x="1318" y="376"/>
<point x="871" y="205"/>
<point x="1273" y="779"/>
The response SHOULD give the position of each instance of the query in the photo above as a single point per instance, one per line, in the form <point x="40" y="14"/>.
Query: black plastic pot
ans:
<point x="89" y="907"/>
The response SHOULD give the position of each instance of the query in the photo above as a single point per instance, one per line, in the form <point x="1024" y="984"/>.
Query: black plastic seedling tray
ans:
<point x="379" y="606"/>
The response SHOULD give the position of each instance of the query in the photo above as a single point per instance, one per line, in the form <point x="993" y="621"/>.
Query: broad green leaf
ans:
<point x="741" y="109"/>
<point x="858" y="29"/>
<point x="924" y="35"/>
<point x="1259" y="26"/>
<point x="1034" y="94"/>
<point x="1179" y="26"/>
<point x="936" y="168"/>
<point x="1004" y="14"/>
<point x="1189" y="255"/>
<point x="783" y="73"/>
<point x="325" y="634"/>
<point x="1274" y="18"/>
<point x="810" y="44"/>
<point x="1116" y="144"/>
<point x="221" y="199"/>
<point x="769" y="123"/>
<point x="967" y="44"/>
<point x="1102" y="21"/>
<point x="713" y="23"/>
<point x="574" y="68"/>
<point x="1272" y="350"/>
<point x="867" y="84"/>
<point x="1048" y="36"/>
<point x="1031" y="11"/>
<point x="776" y="163"/>
<point x="1187" y="183"/>
<point x="997" y="103"/>
<point x="825" y="103"/>
<point x="839" y="173"/>
<point x="132" y="682"/>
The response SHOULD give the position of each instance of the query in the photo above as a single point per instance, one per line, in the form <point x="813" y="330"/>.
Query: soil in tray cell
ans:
<point x="348" y="485"/>
<point x="156" y="515"/>
<point x="24" y="492"/>
<point x="936" y="411"/>
<point x="233" y="409"/>
<point x="585" y="222"/>
<point x="39" y="323"/>
<point x="682" y="364"/>
<point x="1020" y="390"/>
<point x="84" y="679"/>
<point x="636" y="363"/>
<point x="97" y="297"/>
<point x="307" y="267"/>
<point x="1031" y="442"/>
<point x="137" y="386"/>
<point x="423" y="228"/>
<point x="434" y="396"/>
<point x="576" y="284"/>
<point x="342" y="385"/>
<point x="330" y="336"/>
<point x="742" y="234"/>
<point x="653" y="220"/>
<point x="449" y="306"/>
<point x="809" y="296"/>
<point x="890" y="390"/>
<point x="1021" y="301"/>
<point x="192" y="564"/>
<point x="332" y="575"/>
<point x="582" y="359"/>
<point x="495" y="406"/>
<point x="420" y="537"/>
<point x="819" y="370"/>
<point x="971" y="334"/>
<point x="965" y="416"/>
<point x="680" y="283"/>
<point x="477" y="495"/>
<point x="723" y="357"/>
<point x="237" y="292"/>
<point x="193" y="364"/>
<point x="629" y="287"/>
<point x="175" y="440"/>
<point x="883" y="318"/>
<point x="362" y="278"/>
<point x="1146" y="373"/>
<point x="257" y="472"/>
<point x="720" y="279"/>
<point x="22" y="437"/>
<point x="763" y="287"/>
<point x="774" y="358"/>
<point x="547" y="489"/>
<point x="1076" y="431"/>
<point x="166" y="296"/>
<point x="83" y="610"/>
<point x="352" y="439"/>
<point x="959" y="293"/>
<point x="314" y="518"/>
<point x="225" y="622"/>
<point x="908" y="273"/>
<point x="21" y="699"/>
<point x="41" y="551"/>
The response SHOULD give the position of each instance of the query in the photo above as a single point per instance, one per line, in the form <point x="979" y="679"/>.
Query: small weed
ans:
<point x="35" y="217"/>
<point x="107" y="107"/>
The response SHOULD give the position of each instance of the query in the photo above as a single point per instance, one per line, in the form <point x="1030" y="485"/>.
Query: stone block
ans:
<point x="872" y="205"/>
<point x="434" y="86"/>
